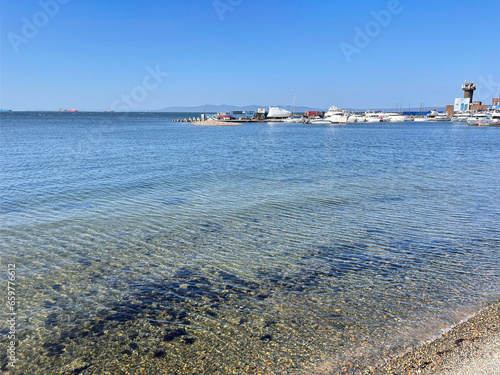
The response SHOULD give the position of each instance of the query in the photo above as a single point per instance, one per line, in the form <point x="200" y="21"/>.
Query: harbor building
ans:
<point x="467" y="104"/>
<point x="469" y="89"/>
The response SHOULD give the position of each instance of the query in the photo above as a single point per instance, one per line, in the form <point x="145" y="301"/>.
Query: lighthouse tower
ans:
<point x="469" y="88"/>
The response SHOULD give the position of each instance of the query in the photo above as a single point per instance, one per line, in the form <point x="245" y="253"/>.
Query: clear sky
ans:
<point x="94" y="55"/>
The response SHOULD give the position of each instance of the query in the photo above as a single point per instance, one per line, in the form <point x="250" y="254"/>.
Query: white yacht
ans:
<point x="443" y="117"/>
<point x="294" y="119"/>
<point x="319" y="120"/>
<point x="359" y="118"/>
<point x="394" y="117"/>
<point x="372" y="116"/>
<point x="461" y="116"/>
<point x="432" y="116"/>
<point x="278" y="113"/>
<point x="495" y="115"/>
<point x="495" y="119"/>
<point x="336" y="116"/>
<point x="475" y="121"/>
<point x="480" y="119"/>
<point x="438" y="116"/>
<point x="351" y="117"/>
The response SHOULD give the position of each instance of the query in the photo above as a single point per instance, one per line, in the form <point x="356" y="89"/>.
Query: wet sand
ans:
<point x="470" y="348"/>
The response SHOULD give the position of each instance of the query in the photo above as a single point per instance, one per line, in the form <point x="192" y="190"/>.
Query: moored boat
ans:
<point x="372" y="116"/>
<point x="442" y="117"/>
<point x="461" y="116"/>
<point x="294" y="119"/>
<point x="278" y="113"/>
<point x="319" y="121"/>
<point x="394" y="117"/>
<point x="479" y="121"/>
<point x="438" y="116"/>
<point x="336" y="116"/>
<point x="495" y="119"/>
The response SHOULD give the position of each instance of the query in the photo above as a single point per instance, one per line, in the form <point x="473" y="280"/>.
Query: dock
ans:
<point x="213" y="122"/>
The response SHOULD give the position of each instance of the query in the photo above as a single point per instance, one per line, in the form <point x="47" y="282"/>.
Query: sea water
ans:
<point x="145" y="246"/>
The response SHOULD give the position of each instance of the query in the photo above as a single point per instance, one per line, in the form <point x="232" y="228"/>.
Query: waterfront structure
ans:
<point x="245" y="115"/>
<point x="313" y="113"/>
<point x="461" y="104"/>
<point x="474" y="107"/>
<point x="467" y="103"/>
<point x="261" y="114"/>
<point x="469" y="88"/>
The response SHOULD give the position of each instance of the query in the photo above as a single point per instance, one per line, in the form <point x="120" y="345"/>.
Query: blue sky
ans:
<point x="90" y="55"/>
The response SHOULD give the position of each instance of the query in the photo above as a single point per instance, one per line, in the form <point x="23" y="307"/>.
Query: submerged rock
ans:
<point x="173" y="334"/>
<point x="160" y="353"/>
<point x="54" y="349"/>
<point x="133" y="345"/>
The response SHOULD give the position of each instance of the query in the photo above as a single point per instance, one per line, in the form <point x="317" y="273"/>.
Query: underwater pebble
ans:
<point x="160" y="353"/>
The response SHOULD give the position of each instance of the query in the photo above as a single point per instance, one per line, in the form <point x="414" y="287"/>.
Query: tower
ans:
<point x="469" y="90"/>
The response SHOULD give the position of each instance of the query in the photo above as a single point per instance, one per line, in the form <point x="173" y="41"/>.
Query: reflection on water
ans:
<point x="144" y="245"/>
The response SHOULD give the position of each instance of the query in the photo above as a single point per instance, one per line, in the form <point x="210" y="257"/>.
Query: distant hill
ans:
<point x="210" y="108"/>
<point x="413" y="109"/>
<point x="229" y="108"/>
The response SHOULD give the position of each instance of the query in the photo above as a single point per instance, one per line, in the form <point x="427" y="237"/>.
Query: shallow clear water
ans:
<point x="147" y="245"/>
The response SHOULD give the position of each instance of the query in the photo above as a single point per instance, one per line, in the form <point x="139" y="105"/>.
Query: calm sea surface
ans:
<point x="144" y="246"/>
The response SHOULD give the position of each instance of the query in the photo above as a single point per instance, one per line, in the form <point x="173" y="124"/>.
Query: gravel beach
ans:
<point x="470" y="348"/>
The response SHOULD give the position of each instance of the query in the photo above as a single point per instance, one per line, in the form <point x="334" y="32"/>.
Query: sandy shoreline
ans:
<point x="470" y="348"/>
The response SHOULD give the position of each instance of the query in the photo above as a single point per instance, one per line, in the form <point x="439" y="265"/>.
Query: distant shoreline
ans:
<point x="213" y="111"/>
